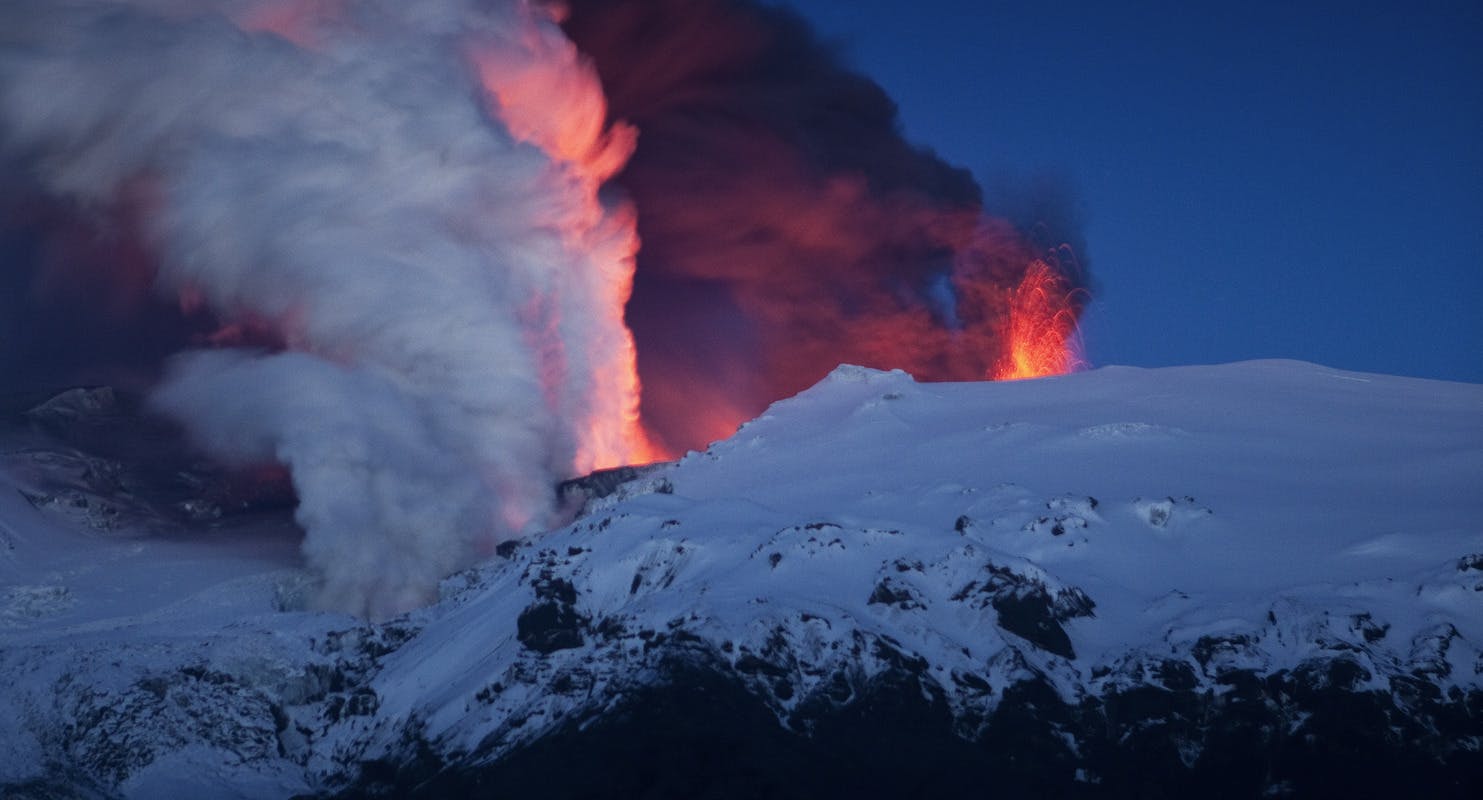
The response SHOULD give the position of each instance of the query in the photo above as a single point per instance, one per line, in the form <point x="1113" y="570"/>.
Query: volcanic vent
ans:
<point x="788" y="226"/>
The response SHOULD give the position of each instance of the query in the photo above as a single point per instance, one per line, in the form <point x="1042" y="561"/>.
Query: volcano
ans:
<point x="427" y="260"/>
<point x="1257" y="579"/>
<point x="605" y="398"/>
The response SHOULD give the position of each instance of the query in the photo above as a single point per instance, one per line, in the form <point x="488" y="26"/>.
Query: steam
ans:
<point x="402" y="236"/>
<point x="446" y="284"/>
<point x="789" y="226"/>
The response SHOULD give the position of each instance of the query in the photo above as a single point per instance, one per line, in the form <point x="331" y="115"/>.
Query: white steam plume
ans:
<point x="447" y="283"/>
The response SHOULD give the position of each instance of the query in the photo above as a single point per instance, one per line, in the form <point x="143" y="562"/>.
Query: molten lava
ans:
<point x="414" y="230"/>
<point x="1041" y="329"/>
<point x="788" y="227"/>
<point x="779" y="241"/>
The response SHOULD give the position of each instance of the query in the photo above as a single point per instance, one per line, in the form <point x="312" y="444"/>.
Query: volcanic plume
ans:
<point x="440" y="286"/>
<point x="391" y="245"/>
<point x="788" y="226"/>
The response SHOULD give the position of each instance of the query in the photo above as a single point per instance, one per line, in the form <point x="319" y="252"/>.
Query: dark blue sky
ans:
<point x="1258" y="180"/>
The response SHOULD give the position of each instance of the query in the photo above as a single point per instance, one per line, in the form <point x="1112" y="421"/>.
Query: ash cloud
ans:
<point x="333" y="174"/>
<point x="377" y="227"/>
<point x="787" y="224"/>
<point x="76" y="300"/>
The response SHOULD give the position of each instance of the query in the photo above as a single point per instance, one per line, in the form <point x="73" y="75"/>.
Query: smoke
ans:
<point x="398" y="242"/>
<point x="388" y="510"/>
<point x="442" y="281"/>
<point x="788" y="225"/>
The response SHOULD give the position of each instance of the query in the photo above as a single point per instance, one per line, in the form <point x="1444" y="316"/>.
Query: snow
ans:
<point x="1258" y="514"/>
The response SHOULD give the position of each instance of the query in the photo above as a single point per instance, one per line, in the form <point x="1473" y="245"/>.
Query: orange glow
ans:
<point x="803" y="270"/>
<point x="548" y="96"/>
<point x="294" y="20"/>
<point x="1041" y="328"/>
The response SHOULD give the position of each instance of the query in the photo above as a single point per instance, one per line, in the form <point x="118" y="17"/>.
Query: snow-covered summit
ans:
<point x="1256" y="533"/>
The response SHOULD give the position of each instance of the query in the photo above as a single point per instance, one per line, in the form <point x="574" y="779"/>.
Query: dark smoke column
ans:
<point x="787" y="225"/>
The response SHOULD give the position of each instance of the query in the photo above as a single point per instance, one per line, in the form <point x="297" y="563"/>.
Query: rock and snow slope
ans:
<point x="1263" y="577"/>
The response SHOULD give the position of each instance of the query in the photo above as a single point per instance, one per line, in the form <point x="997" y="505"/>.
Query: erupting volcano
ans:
<point x="1042" y="326"/>
<point x="788" y="226"/>
<point x="435" y="257"/>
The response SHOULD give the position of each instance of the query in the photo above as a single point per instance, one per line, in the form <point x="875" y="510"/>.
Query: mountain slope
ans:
<point x="1261" y="577"/>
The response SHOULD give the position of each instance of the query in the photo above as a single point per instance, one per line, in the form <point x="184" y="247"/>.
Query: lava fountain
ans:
<point x="788" y="226"/>
<point x="1040" y="333"/>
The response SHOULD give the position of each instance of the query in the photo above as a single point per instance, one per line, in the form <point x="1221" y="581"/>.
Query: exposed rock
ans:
<point x="71" y="405"/>
<point x="552" y="622"/>
<point x="1028" y="608"/>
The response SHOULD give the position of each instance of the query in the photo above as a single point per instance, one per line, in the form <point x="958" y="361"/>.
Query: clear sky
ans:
<point x="1258" y="180"/>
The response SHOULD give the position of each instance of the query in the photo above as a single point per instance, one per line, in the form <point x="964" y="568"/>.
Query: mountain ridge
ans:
<point x="1094" y="585"/>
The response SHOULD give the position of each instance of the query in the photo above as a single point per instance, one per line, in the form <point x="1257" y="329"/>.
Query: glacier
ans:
<point x="1262" y="578"/>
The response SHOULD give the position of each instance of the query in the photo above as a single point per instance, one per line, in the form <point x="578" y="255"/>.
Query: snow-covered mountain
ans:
<point x="1254" y="579"/>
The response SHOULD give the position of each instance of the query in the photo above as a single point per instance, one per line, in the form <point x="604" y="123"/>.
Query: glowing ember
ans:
<point x="1041" y="328"/>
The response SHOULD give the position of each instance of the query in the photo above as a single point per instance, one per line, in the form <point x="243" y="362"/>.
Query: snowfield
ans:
<point x="1259" y="532"/>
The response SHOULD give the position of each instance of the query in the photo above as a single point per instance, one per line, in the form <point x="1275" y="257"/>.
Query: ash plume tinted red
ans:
<point x="788" y="226"/>
<point x="402" y="245"/>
